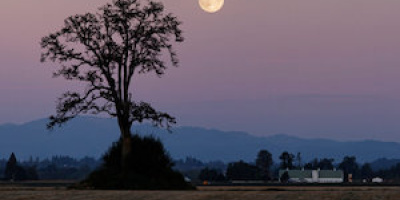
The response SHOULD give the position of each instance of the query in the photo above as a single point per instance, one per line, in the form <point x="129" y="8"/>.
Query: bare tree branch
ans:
<point x="104" y="50"/>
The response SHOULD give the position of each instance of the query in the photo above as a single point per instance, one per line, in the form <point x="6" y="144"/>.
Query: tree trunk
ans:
<point x="126" y="147"/>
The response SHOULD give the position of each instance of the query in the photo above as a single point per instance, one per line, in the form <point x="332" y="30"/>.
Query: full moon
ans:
<point x="211" y="6"/>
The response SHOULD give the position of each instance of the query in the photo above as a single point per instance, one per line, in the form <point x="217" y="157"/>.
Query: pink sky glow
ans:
<point x="309" y="68"/>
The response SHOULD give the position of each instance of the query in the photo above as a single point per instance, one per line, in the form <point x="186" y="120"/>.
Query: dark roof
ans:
<point x="297" y="173"/>
<point x="330" y="174"/>
<point x="302" y="174"/>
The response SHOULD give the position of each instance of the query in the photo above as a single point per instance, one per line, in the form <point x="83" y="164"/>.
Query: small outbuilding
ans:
<point x="377" y="180"/>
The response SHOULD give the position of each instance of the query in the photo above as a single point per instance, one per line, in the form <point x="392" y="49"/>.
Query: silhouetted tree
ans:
<point x="264" y="162"/>
<point x="242" y="171"/>
<point x="391" y="174"/>
<point x="11" y="168"/>
<point x="323" y="164"/>
<point x="366" y="171"/>
<point x="104" y="50"/>
<point x="285" y="177"/>
<point x="150" y="168"/>
<point x="207" y="174"/>
<point x="31" y="173"/>
<point x="349" y="166"/>
<point x="326" y="164"/>
<point x="308" y="166"/>
<point x="314" y="164"/>
<point x="13" y="171"/>
<point x="298" y="159"/>
<point x="286" y="160"/>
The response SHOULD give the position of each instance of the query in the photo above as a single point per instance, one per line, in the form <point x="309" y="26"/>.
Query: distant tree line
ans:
<point x="264" y="169"/>
<point x="261" y="169"/>
<point x="192" y="167"/>
<point x="348" y="165"/>
<point x="56" y="168"/>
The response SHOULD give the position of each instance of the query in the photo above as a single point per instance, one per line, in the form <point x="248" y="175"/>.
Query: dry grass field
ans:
<point x="206" y="193"/>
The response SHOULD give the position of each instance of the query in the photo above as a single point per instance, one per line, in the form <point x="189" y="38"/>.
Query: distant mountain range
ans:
<point x="87" y="136"/>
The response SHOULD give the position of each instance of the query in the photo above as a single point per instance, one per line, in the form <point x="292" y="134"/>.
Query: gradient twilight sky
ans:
<point x="308" y="68"/>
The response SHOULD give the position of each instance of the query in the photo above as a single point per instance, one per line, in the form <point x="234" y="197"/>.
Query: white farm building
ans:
<point x="313" y="176"/>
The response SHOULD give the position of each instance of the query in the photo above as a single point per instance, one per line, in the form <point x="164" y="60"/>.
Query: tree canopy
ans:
<point x="264" y="162"/>
<point x="150" y="167"/>
<point x="286" y="160"/>
<point x="242" y="171"/>
<point x="105" y="50"/>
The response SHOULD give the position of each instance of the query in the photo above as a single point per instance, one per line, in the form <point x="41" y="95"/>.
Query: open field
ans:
<point x="206" y="193"/>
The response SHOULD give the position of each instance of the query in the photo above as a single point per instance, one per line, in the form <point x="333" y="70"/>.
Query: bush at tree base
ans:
<point x="149" y="168"/>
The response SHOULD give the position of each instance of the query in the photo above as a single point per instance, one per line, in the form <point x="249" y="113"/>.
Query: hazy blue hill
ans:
<point x="384" y="163"/>
<point x="92" y="136"/>
<point x="83" y="136"/>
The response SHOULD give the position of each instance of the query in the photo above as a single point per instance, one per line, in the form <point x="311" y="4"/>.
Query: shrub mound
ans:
<point x="149" y="168"/>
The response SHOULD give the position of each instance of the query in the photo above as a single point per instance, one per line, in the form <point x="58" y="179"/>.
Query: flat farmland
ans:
<point x="206" y="193"/>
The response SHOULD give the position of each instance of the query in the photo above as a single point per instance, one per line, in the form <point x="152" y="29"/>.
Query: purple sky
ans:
<point x="309" y="68"/>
